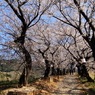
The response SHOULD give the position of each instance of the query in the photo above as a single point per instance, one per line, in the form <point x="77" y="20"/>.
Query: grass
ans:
<point x="8" y="76"/>
<point x="92" y="84"/>
<point x="89" y="85"/>
<point x="83" y="80"/>
<point x="8" y="84"/>
<point x="10" y="79"/>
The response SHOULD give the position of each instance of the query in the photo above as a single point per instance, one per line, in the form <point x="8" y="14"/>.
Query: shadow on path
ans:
<point x="91" y="92"/>
<point x="70" y="85"/>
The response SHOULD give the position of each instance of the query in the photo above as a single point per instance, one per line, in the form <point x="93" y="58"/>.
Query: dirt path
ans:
<point x="70" y="85"/>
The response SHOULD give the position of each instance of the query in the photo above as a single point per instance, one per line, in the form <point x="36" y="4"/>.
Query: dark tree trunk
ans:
<point x="23" y="81"/>
<point x="86" y="74"/>
<point x="64" y="72"/>
<point x="79" y="66"/>
<point x="47" y="71"/>
<point x="92" y="45"/>
<point x="58" y="71"/>
<point x="53" y="72"/>
<point x="93" y="53"/>
<point x="82" y="71"/>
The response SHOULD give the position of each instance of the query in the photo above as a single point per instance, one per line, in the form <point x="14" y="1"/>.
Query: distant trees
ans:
<point x="8" y="65"/>
<point x="47" y="47"/>
<point x="77" y="49"/>
<point x="44" y="46"/>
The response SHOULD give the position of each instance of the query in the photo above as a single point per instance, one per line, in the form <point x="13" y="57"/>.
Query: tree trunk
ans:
<point x="58" y="71"/>
<point x="79" y="71"/>
<point x="82" y="71"/>
<point x="23" y="81"/>
<point x="86" y="74"/>
<point x="47" y="71"/>
<point x="64" y="71"/>
<point x="92" y="45"/>
<point x="53" y="72"/>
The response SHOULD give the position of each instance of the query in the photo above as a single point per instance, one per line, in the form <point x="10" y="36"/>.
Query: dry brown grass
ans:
<point x="48" y="85"/>
<point x="42" y="86"/>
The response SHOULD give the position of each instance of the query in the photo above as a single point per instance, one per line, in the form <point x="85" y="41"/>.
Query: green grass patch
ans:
<point x="8" y="80"/>
<point x="8" y="76"/>
<point x="89" y="85"/>
<point x="83" y="80"/>
<point x="92" y="75"/>
<point x="92" y="86"/>
<point x="8" y="84"/>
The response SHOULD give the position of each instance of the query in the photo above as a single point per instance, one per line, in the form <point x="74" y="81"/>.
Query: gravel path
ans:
<point x="70" y="85"/>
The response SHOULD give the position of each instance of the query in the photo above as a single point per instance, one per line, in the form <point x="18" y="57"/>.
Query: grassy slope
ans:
<point x="90" y="86"/>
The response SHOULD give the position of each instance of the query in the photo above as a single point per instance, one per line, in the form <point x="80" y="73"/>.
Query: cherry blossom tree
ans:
<point x="18" y="17"/>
